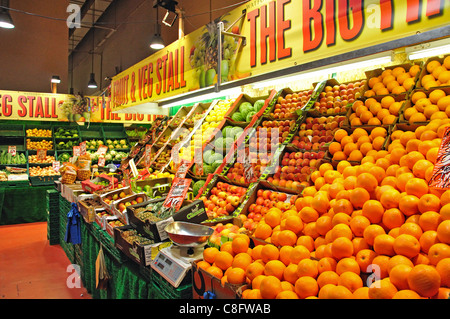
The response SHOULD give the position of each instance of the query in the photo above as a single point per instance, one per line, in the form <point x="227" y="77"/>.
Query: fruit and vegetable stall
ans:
<point x="288" y="195"/>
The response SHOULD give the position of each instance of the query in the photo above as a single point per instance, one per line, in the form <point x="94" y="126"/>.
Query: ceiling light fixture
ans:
<point x="428" y="49"/>
<point x="56" y="79"/>
<point x="157" y="42"/>
<point x="92" y="84"/>
<point x="6" y="21"/>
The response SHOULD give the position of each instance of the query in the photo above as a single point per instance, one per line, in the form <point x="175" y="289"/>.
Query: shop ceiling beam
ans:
<point x="83" y="11"/>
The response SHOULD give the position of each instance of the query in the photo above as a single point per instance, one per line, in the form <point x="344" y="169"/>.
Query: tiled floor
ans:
<point x="30" y="268"/>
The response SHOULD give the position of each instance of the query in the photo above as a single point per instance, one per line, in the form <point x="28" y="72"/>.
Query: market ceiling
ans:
<point x="90" y="11"/>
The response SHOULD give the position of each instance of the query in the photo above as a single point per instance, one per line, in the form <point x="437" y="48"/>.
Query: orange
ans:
<point x="308" y="267"/>
<point x="429" y="202"/>
<point x="371" y="232"/>
<point x="203" y="264"/>
<point x="409" y="205"/>
<point x="380" y="265"/>
<point x="430" y="220"/>
<point x="384" y="245"/>
<point x="356" y="156"/>
<point x="256" y="252"/>
<point x="272" y="218"/>
<point x="382" y="289"/>
<point x="320" y="203"/>
<point x="323" y="224"/>
<point x="342" y="247"/>
<point x="358" y="224"/>
<point x="274" y="268"/>
<point x="412" y="229"/>
<point x="358" y="196"/>
<point x="309" y="214"/>
<point x="269" y="252"/>
<point x="367" y="181"/>
<point x="287" y="237"/>
<point x="326" y="264"/>
<point x="299" y="253"/>
<point x="327" y="277"/>
<point x="445" y="209"/>
<point x="420" y="167"/>
<point x="438" y="252"/>
<point x="412" y="145"/>
<point x="350" y="280"/>
<point x="347" y="264"/>
<point x="236" y="276"/>
<point x="417" y="118"/>
<point x="436" y="95"/>
<point x="334" y="147"/>
<point x="393" y="218"/>
<point x="408" y="83"/>
<point x="240" y="244"/>
<point x="443" y="102"/>
<point x="287" y="294"/>
<point x="340" y="134"/>
<point x="406" y="294"/>
<point x="290" y="273"/>
<point x="373" y="210"/>
<point x="417" y="187"/>
<point x="256" y="282"/>
<point x="443" y="268"/>
<point x="254" y="270"/>
<point x="417" y="96"/>
<point x="390" y="198"/>
<point x="285" y="253"/>
<point x="406" y="245"/>
<point x="306" y="287"/>
<point x="361" y="293"/>
<point x="270" y="287"/>
<point x="398" y="276"/>
<point x="209" y="254"/>
<point x="294" y="223"/>
<point x="223" y="260"/>
<point x="428" y="239"/>
<point x="339" y="292"/>
<point x="398" y="260"/>
<point x="378" y="141"/>
<point x="215" y="271"/>
<point x="262" y="231"/>
<point x="443" y="232"/>
<point x="242" y="260"/>
<point x="425" y="280"/>
<point x="341" y="230"/>
<point x="364" y="258"/>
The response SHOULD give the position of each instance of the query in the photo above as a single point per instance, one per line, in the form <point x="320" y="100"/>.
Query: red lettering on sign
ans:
<point x="386" y="12"/>
<point x="6" y="108"/>
<point x="355" y="6"/>
<point x="150" y="80"/>
<point x="330" y="22"/>
<point x="413" y="10"/>
<point x="282" y="25"/>
<point x="158" y="75"/>
<point x="434" y="7"/>
<point x="182" y="81"/>
<point x="314" y="17"/>
<point x="251" y="16"/>
<point x="133" y="87"/>
<point x="23" y="109"/>
<point x="268" y="32"/>
<point x="170" y="84"/>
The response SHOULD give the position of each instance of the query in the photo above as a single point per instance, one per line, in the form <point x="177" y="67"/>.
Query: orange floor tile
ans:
<point x="31" y="268"/>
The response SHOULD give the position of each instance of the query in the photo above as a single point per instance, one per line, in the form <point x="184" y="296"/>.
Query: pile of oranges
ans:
<point x="356" y="145"/>
<point x="374" y="230"/>
<point x="438" y="74"/>
<point x="382" y="111"/>
<point x="428" y="105"/>
<point x="397" y="80"/>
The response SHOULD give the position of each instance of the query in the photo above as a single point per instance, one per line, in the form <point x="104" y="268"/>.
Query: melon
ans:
<point x="250" y="115"/>
<point x="197" y="186"/>
<point x="258" y="105"/>
<point x="238" y="117"/>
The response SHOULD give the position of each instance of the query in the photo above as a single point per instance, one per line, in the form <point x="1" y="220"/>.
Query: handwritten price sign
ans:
<point x="177" y="193"/>
<point x="441" y="172"/>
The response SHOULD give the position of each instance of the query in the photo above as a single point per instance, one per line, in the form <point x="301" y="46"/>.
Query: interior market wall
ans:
<point x="133" y="21"/>
<point x="36" y="48"/>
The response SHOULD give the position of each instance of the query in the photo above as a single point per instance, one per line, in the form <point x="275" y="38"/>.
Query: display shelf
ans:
<point x="114" y="132"/>
<point x="424" y="73"/>
<point x="12" y="130"/>
<point x="91" y="132"/>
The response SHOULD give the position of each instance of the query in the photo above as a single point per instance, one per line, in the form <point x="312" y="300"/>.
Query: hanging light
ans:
<point x="6" y="21"/>
<point x="157" y="42"/>
<point x="92" y="84"/>
<point x="56" y="79"/>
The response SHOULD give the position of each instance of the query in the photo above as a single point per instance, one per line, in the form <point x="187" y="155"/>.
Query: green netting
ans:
<point x="23" y="204"/>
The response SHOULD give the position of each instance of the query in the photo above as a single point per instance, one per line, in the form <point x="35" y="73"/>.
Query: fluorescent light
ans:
<point x="328" y="70"/>
<point x="144" y="108"/>
<point x="428" y="49"/>
<point x="228" y="92"/>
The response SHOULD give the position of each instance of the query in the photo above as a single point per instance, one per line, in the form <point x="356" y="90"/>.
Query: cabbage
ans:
<point x="258" y="105"/>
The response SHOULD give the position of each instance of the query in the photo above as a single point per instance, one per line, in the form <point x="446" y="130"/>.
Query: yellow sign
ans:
<point x="279" y="34"/>
<point x="31" y="106"/>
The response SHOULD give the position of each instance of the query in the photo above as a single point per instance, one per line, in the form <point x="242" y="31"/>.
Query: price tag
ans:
<point x="177" y="193"/>
<point x="56" y="165"/>
<point x="12" y="150"/>
<point x="183" y="169"/>
<point x="41" y="154"/>
<point x="440" y="178"/>
<point x="76" y="151"/>
<point x="101" y="161"/>
<point x="148" y="154"/>
<point x="102" y="149"/>
<point x="83" y="148"/>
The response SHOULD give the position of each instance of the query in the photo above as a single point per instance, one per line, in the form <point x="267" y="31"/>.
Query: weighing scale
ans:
<point x="174" y="263"/>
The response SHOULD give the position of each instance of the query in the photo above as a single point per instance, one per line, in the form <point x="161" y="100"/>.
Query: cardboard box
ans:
<point x="161" y="190"/>
<point x="204" y="283"/>
<point x="122" y="214"/>
<point x="108" y="205"/>
<point x="140" y="254"/>
<point x="245" y="98"/>
<point x="424" y="72"/>
<point x="189" y="212"/>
